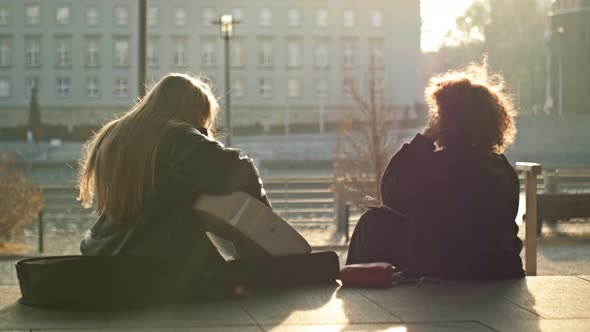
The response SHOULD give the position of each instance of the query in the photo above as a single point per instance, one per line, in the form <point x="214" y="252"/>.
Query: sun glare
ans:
<point x="438" y="17"/>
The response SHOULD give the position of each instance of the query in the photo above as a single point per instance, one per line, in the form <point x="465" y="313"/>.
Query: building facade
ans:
<point x="569" y="51"/>
<point x="292" y="62"/>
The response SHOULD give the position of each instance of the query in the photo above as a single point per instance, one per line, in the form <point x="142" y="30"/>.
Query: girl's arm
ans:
<point x="210" y="168"/>
<point x="410" y="176"/>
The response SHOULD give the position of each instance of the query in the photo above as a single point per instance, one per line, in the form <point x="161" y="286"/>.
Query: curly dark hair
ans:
<point x="471" y="106"/>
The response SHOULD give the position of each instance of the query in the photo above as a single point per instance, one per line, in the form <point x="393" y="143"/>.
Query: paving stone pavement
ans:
<point x="538" y="304"/>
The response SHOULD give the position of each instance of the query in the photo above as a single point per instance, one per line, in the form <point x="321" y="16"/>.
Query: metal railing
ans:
<point x="303" y="202"/>
<point x="562" y="180"/>
<point x="300" y="201"/>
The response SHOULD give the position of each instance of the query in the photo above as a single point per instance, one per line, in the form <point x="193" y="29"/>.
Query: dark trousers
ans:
<point x="381" y="235"/>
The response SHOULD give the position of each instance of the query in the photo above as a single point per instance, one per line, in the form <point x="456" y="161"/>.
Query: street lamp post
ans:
<point x="141" y="48"/>
<point x="226" y="23"/>
<point x="560" y="32"/>
<point x="548" y="107"/>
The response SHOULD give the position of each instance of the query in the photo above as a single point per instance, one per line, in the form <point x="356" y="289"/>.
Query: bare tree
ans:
<point x="20" y="199"/>
<point x="366" y="140"/>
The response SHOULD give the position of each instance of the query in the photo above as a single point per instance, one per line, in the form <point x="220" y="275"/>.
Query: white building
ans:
<point x="292" y="61"/>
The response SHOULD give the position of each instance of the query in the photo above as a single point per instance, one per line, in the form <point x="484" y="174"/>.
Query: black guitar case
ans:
<point x="110" y="282"/>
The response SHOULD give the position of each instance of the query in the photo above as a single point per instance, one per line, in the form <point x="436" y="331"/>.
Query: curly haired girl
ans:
<point x="450" y="196"/>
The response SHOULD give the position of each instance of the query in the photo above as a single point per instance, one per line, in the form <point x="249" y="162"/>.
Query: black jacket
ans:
<point x="462" y="202"/>
<point x="188" y="164"/>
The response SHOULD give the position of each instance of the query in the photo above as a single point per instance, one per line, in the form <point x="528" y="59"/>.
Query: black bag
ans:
<point x="110" y="282"/>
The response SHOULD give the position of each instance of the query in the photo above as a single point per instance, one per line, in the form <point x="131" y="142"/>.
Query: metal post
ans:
<point x="286" y="198"/>
<point x="550" y="186"/>
<point x="548" y="74"/>
<point x="322" y="115"/>
<point x="40" y="231"/>
<point x="560" y="85"/>
<point x="227" y="92"/>
<point x="560" y="32"/>
<point x="346" y="221"/>
<point x="531" y="171"/>
<point x="340" y="203"/>
<point x="531" y="224"/>
<point x="141" y="50"/>
<point x="286" y="124"/>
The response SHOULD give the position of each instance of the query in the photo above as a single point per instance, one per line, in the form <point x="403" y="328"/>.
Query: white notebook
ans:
<point x="249" y="225"/>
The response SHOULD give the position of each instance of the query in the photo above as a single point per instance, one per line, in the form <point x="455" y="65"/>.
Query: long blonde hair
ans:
<point x="120" y="159"/>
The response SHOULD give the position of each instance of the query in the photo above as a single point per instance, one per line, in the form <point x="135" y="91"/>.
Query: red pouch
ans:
<point x="370" y="275"/>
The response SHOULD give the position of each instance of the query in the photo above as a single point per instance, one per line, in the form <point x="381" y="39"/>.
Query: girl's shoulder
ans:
<point x="180" y="131"/>
<point x="185" y="140"/>
<point x="185" y="136"/>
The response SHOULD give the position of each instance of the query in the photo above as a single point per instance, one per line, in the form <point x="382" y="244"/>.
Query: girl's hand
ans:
<point x="432" y="131"/>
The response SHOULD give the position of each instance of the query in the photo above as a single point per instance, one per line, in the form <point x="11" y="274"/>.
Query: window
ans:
<point x="293" y="88"/>
<point x="376" y="19"/>
<point x="63" y="87"/>
<point x="347" y="87"/>
<point x="265" y="17"/>
<point x="180" y="53"/>
<point x="121" y="15"/>
<point x="92" y="52"/>
<point x="151" y="57"/>
<point x="265" y="55"/>
<point x="293" y="54"/>
<point x="349" y="54"/>
<point x="349" y="18"/>
<point x="33" y="52"/>
<point x="121" y="87"/>
<point x="237" y="88"/>
<point x="5" y="88"/>
<point x="238" y="14"/>
<point x="92" y="15"/>
<point x="5" y="51"/>
<point x="379" y="87"/>
<point x="208" y="16"/>
<point x="4" y="14"/>
<point x="63" y="52"/>
<point x="33" y="14"/>
<point x="321" y="88"/>
<point x="62" y="15"/>
<point x="121" y="52"/>
<point x="153" y="16"/>
<point x="265" y="87"/>
<point x="376" y="56"/>
<point x="321" y="55"/>
<point x="32" y="83"/>
<point x="92" y="87"/>
<point x="180" y="16"/>
<point x="237" y="54"/>
<point x="208" y="54"/>
<point x="321" y="18"/>
<point x="294" y="17"/>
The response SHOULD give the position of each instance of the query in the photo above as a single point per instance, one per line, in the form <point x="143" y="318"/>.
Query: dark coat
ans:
<point x="462" y="202"/>
<point x="189" y="164"/>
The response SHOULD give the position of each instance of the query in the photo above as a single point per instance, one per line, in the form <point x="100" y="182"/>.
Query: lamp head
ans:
<point x="227" y="25"/>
